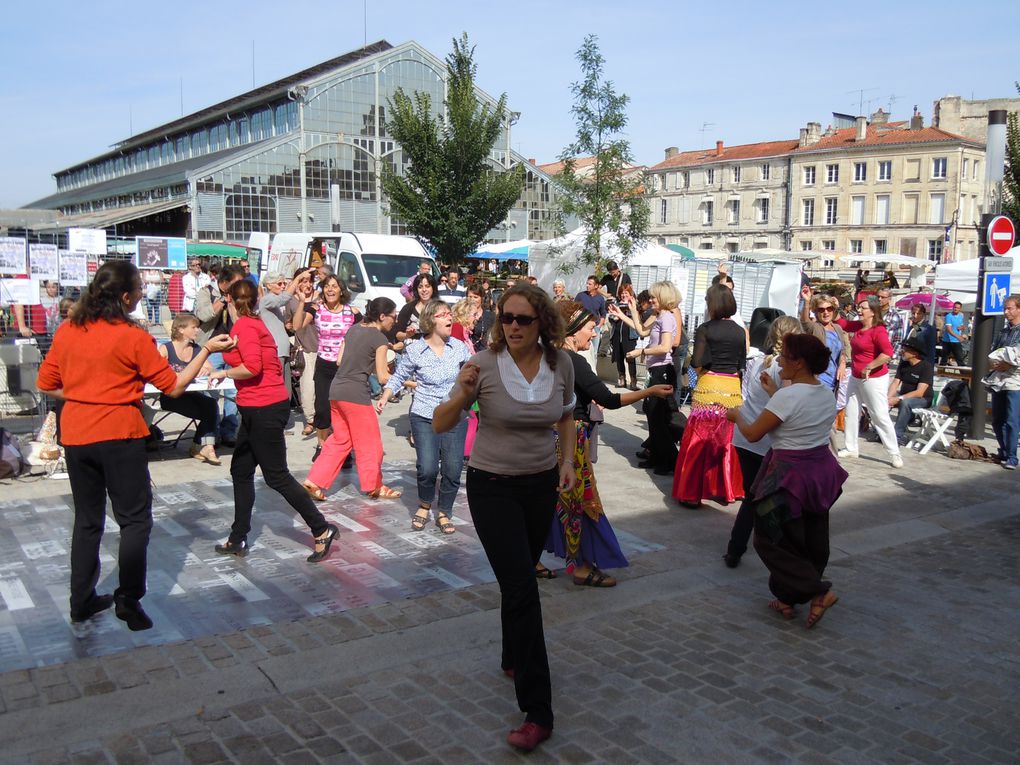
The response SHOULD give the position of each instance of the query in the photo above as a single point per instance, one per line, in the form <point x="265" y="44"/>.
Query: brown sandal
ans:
<point x="595" y="578"/>
<point x="819" y="606"/>
<point x="314" y="492"/>
<point x="445" y="524"/>
<point x="385" y="492"/>
<point x="783" y="609"/>
<point x="418" y="520"/>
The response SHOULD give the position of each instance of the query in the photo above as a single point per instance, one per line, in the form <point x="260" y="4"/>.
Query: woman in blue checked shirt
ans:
<point x="434" y="361"/>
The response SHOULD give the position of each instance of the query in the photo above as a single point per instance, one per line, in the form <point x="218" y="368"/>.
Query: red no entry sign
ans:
<point x="1001" y="235"/>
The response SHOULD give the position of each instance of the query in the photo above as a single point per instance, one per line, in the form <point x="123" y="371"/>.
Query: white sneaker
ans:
<point x="896" y="461"/>
<point x="848" y="453"/>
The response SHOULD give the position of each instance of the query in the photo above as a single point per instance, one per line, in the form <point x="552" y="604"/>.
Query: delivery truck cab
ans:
<point x="371" y="265"/>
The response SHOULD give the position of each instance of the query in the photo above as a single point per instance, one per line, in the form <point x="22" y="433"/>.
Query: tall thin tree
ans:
<point x="451" y="192"/>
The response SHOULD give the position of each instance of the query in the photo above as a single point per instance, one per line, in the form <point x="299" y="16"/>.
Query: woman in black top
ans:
<point x="581" y="533"/>
<point x="424" y="289"/>
<point x="707" y="466"/>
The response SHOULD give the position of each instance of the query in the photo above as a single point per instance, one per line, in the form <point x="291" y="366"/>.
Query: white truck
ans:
<point x="371" y="265"/>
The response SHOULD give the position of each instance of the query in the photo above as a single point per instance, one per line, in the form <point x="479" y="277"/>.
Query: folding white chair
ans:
<point x="934" y="426"/>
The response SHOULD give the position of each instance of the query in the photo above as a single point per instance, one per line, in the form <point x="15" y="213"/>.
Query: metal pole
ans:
<point x="301" y="158"/>
<point x="984" y="327"/>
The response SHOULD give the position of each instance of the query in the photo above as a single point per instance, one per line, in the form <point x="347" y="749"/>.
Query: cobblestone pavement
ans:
<point x="680" y="663"/>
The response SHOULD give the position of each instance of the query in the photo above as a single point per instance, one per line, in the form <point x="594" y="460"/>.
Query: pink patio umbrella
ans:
<point x="925" y="299"/>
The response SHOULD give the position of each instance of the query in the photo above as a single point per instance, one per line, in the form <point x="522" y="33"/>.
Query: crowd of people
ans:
<point x="509" y="386"/>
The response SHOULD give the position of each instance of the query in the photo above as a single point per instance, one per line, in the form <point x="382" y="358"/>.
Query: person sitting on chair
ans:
<point x="912" y="387"/>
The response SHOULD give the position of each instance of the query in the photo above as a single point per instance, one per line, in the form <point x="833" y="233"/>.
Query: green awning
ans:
<point x="688" y="254"/>
<point x="207" y="250"/>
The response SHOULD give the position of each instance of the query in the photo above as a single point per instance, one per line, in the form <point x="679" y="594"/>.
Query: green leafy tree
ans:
<point x="605" y="195"/>
<point x="450" y="193"/>
<point x="1011" y="177"/>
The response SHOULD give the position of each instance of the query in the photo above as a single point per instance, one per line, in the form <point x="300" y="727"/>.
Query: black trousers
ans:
<point x="660" y="440"/>
<point x="260" y="443"/>
<point x="325" y="371"/>
<point x="621" y="344"/>
<point x="955" y="350"/>
<point x="743" y="524"/>
<point x="512" y="516"/>
<point x="797" y="561"/>
<point x="121" y="469"/>
<point x="196" y="406"/>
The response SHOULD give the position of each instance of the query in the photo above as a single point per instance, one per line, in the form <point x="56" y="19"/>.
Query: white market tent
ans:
<point x="896" y="260"/>
<point x="517" y="249"/>
<point x="960" y="279"/>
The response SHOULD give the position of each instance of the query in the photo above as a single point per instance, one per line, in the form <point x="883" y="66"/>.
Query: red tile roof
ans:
<point x="882" y="135"/>
<point x="728" y="154"/>
<point x="555" y="168"/>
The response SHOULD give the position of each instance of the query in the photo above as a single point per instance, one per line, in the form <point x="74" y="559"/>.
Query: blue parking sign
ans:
<point x="994" y="293"/>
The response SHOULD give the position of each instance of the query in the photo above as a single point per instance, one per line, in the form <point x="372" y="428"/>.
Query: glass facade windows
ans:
<point x="247" y="212"/>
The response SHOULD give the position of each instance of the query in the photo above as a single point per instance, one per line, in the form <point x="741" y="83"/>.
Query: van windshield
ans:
<point x="392" y="270"/>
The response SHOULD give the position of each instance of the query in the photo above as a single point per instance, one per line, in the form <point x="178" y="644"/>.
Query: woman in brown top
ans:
<point x="524" y="388"/>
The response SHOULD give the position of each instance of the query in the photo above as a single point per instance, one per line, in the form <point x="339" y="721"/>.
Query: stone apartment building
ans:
<point x="886" y="188"/>
<point x="879" y="187"/>
<point x="727" y="199"/>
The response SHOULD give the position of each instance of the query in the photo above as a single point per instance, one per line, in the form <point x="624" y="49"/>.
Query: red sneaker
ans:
<point x="528" y="736"/>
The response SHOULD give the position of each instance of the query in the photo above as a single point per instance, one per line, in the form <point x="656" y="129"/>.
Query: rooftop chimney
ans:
<point x="671" y="151"/>
<point x="718" y="148"/>
<point x="917" y="121"/>
<point x="880" y="117"/>
<point x="810" y="135"/>
<point x="860" y="128"/>
<point x="803" y="138"/>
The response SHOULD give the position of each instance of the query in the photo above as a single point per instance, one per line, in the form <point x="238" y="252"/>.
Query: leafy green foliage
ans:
<point x="450" y="193"/>
<point x="1011" y="177"/>
<point x="605" y="196"/>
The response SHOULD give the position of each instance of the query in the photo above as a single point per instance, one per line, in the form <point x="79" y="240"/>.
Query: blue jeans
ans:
<point x="906" y="411"/>
<point x="440" y="456"/>
<point x="229" y="422"/>
<point x="1006" y="422"/>
<point x="152" y="306"/>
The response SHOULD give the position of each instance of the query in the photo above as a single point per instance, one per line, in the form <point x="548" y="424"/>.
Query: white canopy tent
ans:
<point x="895" y="260"/>
<point x="959" y="279"/>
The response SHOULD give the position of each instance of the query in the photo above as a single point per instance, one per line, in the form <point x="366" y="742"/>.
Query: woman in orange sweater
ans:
<point x="99" y="363"/>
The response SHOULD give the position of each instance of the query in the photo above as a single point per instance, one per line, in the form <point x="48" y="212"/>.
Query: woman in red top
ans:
<point x="99" y="363"/>
<point x="870" y="351"/>
<point x="264" y="405"/>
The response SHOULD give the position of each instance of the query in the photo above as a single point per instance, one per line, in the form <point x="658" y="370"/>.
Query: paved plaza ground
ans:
<point x="389" y="652"/>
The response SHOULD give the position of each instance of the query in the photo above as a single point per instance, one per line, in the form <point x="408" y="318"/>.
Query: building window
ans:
<point x="857" y="245"/>
<point x="710" y="176"/>
<point x="885" y="170"/>
<point x="832" y="173"/>
<point x="685" y="179"/>
<point x="763" y="210"/>
<point x="707" y="213"/>
<point x="937" y="208"/>
<point x="663" y="211"/>
<point x="809" y="212"/>
<point x="732" y="247"/>
<point x="935" y="250"/>
<point x="809" y="175"/>
<point x="805" y="246"/>
<point x="856" y="211"/>
<point x="882" y="209"/>
<point x="829" y="245"/>
<point x="974" y="174"/>
<point x="705" y="246"/>
<point x="766" y="171"/>
<point x="249" y="212"/>
<point x="938" y="167"/>
<point x="860" y="172"/>
<point x="880" y="247"/>
<point x="830" y="211"/>
<point x="966" y="167"/>
<point x="735" y="211"/>
<point x="736" y="174"/>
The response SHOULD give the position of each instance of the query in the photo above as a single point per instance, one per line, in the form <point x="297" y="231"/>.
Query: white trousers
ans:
<point x="306" y="386"/>
<point x="874" y="394"/>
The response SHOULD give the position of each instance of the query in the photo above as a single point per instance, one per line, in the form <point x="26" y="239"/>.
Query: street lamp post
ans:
<point x="299" y="94"/>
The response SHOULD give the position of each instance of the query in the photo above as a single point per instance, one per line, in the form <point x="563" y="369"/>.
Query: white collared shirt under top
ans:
<point x="516" y="418"/>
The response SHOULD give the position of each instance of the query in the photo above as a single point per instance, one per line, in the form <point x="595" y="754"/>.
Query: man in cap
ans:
<point x="912" y="387"/>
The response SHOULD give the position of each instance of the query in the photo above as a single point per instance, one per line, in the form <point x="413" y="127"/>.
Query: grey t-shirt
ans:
<point x="515" y="433"/>
<point x="351" y="380"/>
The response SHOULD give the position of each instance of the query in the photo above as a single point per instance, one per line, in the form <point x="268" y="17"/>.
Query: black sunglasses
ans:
<point x="522" y="321"/>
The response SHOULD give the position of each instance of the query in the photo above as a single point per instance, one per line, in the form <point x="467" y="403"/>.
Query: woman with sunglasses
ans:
<point x="524" y="386"/>
<point x="870" y="352"/>
<point x="354" y="420"/>
<point x="434" y="360"/>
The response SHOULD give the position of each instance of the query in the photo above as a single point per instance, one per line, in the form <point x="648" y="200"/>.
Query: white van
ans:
<point x="371" y="265"/>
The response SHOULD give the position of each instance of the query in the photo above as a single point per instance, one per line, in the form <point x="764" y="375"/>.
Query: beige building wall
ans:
<point x="706" y="207"/>
<point x="969" y="118"/>
<point x="906" y="213"/>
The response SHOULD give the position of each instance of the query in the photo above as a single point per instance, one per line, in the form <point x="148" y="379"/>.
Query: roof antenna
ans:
<point x="703" y="126"/>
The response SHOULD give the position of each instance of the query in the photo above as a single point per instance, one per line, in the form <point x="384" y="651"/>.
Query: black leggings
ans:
<point x="260" y="443"/>
<point x="660" y="439"/>
<point x="622" y="344"/>
<point x="325" y="371"/>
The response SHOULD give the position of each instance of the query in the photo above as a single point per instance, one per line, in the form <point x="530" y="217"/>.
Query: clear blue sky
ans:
<point x="75" y="75"/>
